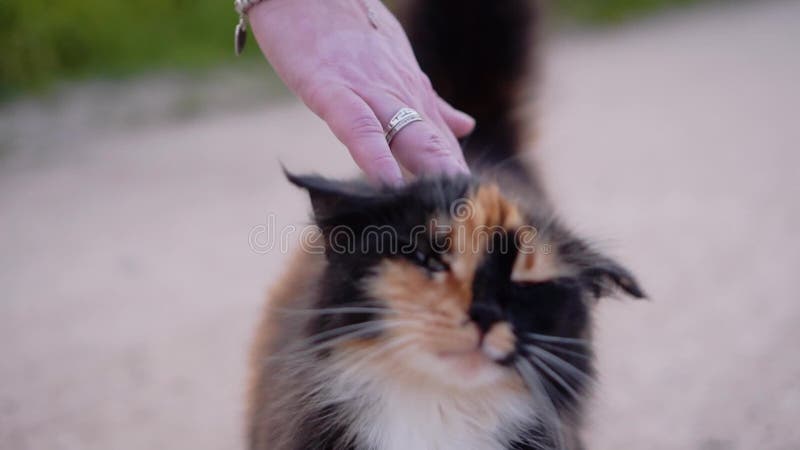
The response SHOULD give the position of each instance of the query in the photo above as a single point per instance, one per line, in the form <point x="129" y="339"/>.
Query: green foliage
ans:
<point x="612" y="11"/>
<point x="43" y="41"/>
<point x="47" y="40"/>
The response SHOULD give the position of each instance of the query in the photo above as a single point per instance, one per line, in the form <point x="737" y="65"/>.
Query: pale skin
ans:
<point x="356" y="77"/>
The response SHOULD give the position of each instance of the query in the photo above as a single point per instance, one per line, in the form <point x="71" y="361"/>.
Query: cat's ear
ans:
<point x="334" y="200"/>
<point x="598" y="273"/>
<point x="604" y="276"/>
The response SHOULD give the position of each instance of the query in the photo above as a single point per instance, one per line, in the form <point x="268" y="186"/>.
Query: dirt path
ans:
<point x="129" y="288"/>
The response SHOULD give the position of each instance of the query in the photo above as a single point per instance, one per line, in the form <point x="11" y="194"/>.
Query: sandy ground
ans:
<point x="130" y="286"/>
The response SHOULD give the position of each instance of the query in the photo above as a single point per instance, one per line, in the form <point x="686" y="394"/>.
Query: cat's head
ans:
<point x="452" y="281"/>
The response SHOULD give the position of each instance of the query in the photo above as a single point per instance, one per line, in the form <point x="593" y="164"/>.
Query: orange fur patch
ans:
<point x="534" y="267"/>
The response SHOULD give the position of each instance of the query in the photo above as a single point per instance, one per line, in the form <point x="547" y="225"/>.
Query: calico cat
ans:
<point x="452" y="313"/>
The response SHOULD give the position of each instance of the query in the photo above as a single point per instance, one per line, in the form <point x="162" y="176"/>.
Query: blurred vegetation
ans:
<point x="47" y="40"/>
<point x="43" y="41"/>
<point x="603" y="12"/>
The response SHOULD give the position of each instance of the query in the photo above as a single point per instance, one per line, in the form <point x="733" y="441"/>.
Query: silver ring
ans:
<point x="402" y="118"/>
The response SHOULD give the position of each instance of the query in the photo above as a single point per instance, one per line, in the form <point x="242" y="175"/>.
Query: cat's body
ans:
<point x="453" y="313"/>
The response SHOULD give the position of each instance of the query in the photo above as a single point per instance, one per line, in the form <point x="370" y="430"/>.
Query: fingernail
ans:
<point x="457" y="168"/>
<point x="393" y="178"/>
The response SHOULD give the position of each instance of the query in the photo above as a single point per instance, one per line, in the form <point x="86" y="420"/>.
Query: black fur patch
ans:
<point x="477" y="54"/>
<point x="317" y="433"/>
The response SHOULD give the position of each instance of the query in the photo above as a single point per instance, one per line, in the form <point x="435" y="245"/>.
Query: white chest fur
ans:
<point x="392" y="417"/>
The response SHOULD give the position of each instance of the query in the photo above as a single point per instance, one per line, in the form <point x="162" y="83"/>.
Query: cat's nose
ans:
<point x="484" y="316"/>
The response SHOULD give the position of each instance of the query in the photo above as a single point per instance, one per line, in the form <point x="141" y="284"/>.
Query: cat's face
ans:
<point x="453" y="283"/>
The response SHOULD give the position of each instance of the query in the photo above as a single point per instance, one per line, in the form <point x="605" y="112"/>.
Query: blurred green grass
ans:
<point x="44" y="41"/>
<point x="605" y="12"/>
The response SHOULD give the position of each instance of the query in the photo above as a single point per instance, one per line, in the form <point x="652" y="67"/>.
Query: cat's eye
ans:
<point x="432" y="263"/>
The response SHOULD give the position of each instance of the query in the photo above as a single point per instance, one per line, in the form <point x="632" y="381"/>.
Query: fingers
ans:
<point x="421" y="147"/>
<point x="357" y="127"/>
<point x="460" y="123"/>
<point x="425" y="147"/>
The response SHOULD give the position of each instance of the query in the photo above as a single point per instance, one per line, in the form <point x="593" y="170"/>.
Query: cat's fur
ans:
<point x="453" y="313"/>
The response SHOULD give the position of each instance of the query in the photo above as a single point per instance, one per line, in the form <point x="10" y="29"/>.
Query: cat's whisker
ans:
<point x="540" y="357"/>
<point x="555" y="376"/>
<point x="299" y="353"/>
<point x="561" y="363"/>
<point x="557" y="339"/>
<point x="555" y="395"/>
<point x="339" y="310"/>
<point x="335" y="332"/>
<point x="345" y="328"/>
<point x="354" y="362"/>
<point x="529" y="376"/>
<point x="563" y="350"/>
<point x="337" y="336"/>
<point x="552" y="221"/>
<point x="536" y="386"/>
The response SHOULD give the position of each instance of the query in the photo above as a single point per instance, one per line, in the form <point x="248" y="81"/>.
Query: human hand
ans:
<point x="356" y="77"/>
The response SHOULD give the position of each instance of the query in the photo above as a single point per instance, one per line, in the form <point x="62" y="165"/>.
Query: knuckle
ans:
<point x="315" y="91"/>
<point x="320" y="98"/>
<point x="426" y="82"/>
<point x="408" y="77"/>
<point x="434" y="145"/>
<point x="382" y="158"/>
<point x="361" y="126"/>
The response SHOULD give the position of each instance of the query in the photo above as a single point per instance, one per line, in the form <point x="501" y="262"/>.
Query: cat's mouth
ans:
<point x="477" y="355"/>
<point x="474" y="353"/>
<point x="470" y="363"/>
<point x="496" y="346"/>
<point x="467" y="354"/>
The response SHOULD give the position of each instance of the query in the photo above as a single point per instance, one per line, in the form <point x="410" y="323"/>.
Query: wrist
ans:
<point x="254" y="12"/>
